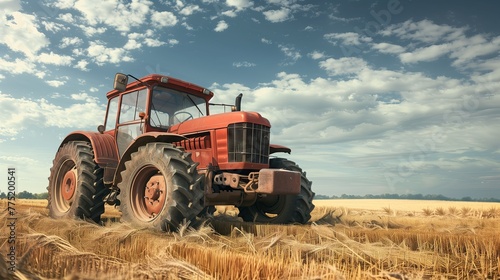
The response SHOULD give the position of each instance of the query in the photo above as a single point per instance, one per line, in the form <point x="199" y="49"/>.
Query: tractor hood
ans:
<point x="218" y="121"/>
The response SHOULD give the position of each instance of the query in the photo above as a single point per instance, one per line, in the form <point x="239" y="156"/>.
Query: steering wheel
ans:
<point x="190" y="116"/>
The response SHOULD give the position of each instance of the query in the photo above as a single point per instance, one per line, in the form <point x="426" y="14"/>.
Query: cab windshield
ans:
<point x="170" y="107"/>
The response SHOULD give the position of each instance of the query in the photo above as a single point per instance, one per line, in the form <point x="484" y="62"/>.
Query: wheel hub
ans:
<point x="68" y="184"/>
<point x="155" y="194"/>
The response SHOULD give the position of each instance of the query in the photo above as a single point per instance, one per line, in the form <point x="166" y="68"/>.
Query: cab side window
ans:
<point x="132" y="104"/>
<point x="112" y="112"/>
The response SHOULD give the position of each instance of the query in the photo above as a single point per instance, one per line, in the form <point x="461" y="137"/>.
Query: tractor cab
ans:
<point x="153" y="104"/>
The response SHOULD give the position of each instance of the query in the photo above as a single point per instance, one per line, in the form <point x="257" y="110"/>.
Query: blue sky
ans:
<point x="373" y="97"/>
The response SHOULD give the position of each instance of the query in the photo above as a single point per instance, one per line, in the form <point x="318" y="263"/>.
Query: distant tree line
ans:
<point x="27" y="195"/>
<point x="406" y="196"/>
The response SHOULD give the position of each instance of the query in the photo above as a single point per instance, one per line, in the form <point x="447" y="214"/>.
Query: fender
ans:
<point x="274" y="148"/>
<point x="104" y="147"/>
<point x="142" y="140"/>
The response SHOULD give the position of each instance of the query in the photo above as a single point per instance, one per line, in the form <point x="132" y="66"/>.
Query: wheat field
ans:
<point x="346" y="239"/>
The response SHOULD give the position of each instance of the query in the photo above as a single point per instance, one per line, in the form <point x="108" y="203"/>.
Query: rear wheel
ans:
<point x="75" y="186"/>
<point x="160" y="187"/>
<point x="282" y="209"/>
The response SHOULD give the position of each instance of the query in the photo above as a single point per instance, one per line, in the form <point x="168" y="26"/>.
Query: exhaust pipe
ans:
<point x="237" y="103"/>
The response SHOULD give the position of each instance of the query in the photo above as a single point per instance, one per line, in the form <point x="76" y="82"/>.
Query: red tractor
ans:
<point x="164" y="160"/>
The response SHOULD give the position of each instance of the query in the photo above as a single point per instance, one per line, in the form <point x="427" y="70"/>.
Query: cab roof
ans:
<point x="166" y="81"/>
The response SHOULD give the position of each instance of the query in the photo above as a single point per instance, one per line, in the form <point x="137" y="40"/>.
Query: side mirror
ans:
<point x="121" y="81"/>
<point x="237" y="103"/>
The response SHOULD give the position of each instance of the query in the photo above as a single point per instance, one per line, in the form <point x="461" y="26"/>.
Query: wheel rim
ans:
<point x="148" y="194"/>
<point x="66" y="186"/>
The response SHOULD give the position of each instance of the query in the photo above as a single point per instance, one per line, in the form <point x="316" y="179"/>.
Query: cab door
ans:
<point x="130" y="126"/>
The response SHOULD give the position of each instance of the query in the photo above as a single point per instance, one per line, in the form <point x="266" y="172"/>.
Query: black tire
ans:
<point x="160" y="187"/>
<point x="76" y="186"/>
<point x="282" y="209"/>
<point x="208" y="211"/>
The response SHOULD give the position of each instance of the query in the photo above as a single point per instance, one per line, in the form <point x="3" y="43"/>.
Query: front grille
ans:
<point x="248" y="142"/>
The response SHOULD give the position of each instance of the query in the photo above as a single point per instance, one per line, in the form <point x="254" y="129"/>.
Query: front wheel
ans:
<point x="282" y="209"/>
<point x="160" y="187"/>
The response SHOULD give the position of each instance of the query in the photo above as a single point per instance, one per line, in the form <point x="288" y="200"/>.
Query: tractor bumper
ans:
<point x="278" y="181"/>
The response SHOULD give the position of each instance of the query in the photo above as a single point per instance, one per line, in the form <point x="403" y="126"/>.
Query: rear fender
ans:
<point x="141" y="141"/>
<point x="274" y="148"/>
<point x="104" y="147"/>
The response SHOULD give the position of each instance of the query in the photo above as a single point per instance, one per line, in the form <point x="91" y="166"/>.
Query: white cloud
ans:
<point x="266" y="41"/>
<point x="316" y="55"/>
<point x="163" y="19"/>
<point x="70" y="41"/>
<point x="78" y="52"/>
<point x="101" y="54"/>
<point x="291" y="54"/>
<point x="11" y="6"/>
<point x="151" y="42"/>
<point x="244" y="64"/>
<point x="424" y="31"/>
<point x="343" y="66"/>
<point x="81" y="81"/>
<point x="53" y="26"/>
<point x="230" y="13"/>
<point x="179" y="4"/>
<point x="121" y="16"/>
<point x="221" y="26"/>
<point x="280" y="15"/>
<point x="39" y="112"/>
<point x="187" y="26"/>
<point x="20" y="33"/>
<point x="136" y="40"/>
<point x="425" y="54"/>
<point x="429" y="41"/>
<point x="239" y="4"/>
<point x="284" y="10"/>
<point x="91" y="31"/>
<point x="67" y="17"/>
<point x="64" y="4"/>
<point x="55" y="59"/>
<point x="388" y="48"/>
<point x="83" y="96"/>
<point x="82" y="65"/>
<point x="55" y="83"/>
<point x="189" y="10"/>
<point x="343" y="19"/>
<point x="132" y="44"/>
<point x="474" y="47"/>
<point x="19" y="66"/>
<point x="348" y="38"/>
<point x="90" y="114"/>
<point x="173" y="42"/>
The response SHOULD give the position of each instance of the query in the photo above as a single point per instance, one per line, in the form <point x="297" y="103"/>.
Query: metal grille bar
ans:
<point x="248" y="142"/>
